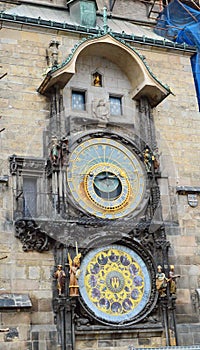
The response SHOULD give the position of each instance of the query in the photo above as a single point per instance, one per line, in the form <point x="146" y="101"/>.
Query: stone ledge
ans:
<point x="43" y="328"/>
<point x="98" y="329"/>
<point x="187" y="189"/>
<point x="8" y="301"/>
<point x="197" y="347"/>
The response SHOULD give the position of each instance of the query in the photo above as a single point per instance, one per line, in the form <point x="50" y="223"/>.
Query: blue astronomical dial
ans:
<point x="105" y="178"/>
<point x="115" y="283"/>
<point x="107" y="185"/>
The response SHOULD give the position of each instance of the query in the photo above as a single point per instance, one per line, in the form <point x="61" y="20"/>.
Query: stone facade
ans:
<point x="26" y="116"/>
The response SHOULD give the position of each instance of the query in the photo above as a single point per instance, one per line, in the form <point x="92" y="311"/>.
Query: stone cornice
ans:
<point x="40" y="23"/>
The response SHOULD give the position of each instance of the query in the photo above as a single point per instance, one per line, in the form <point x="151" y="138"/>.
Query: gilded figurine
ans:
<point x="147" y="159"/>
<point x="60" y="276"/>
<point x="161" y="282"/>
<point x="74" y="272"/>
<point x="97" y="80"/>
<point x="172" y="280"/>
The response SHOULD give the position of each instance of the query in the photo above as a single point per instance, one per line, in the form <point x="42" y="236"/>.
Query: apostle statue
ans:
<point x="60" y="277"/>
<point x="161" y="282"/>
<point x="74" y="271"/>
<point x="172" y="280"/>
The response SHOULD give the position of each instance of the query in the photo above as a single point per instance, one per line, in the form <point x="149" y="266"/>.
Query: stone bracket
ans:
<point x="32" y="236"/>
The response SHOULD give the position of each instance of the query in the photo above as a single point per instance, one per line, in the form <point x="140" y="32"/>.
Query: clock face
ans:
<point x="105" y="178"/>
<point x="115" y="283"/>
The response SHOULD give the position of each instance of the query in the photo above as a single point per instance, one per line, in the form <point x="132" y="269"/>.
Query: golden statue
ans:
<point x="74" y="275"/>
<point x="161" y="282"/>
<point x="60" y="276"/>
<point x="172" y="280"/>
<point x="97" y="80"/>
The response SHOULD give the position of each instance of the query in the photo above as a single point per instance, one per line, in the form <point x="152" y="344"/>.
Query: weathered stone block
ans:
<point x="144" y="341"/>
<point x="34" y="272"/>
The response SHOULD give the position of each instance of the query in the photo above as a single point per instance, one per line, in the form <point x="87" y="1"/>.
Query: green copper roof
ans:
<point x="59" y="19"/>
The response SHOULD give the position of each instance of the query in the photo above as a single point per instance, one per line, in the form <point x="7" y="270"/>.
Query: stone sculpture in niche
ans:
<point x="53" y="52"/>
<point x="101" y="109"/>
<point x="58" y="151"/>
<point x="97" y="80"/>
<point x="55" y="151"/>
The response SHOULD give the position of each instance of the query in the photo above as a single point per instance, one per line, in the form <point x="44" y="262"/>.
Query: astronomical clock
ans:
<point x="98" y="200"/>
<point x="106" y="179"/>
<point x="115" y="284"/>
<point x="107" y="182"/>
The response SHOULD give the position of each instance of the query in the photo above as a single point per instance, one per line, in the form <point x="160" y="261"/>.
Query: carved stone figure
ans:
<point x="161" y="282"/>
<point x="60" y="276"/>
<point x="55" y="151"/>
<point x="172" y="280"/>
<point x="101" y="110"/>
<point x="53" y="52"/>
<point x="74" y="275"/>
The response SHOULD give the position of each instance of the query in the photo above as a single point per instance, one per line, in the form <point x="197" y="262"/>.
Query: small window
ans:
<point x="30" y="196"/>
<point x="78" y="100"/>
<point x="115" y="105"/>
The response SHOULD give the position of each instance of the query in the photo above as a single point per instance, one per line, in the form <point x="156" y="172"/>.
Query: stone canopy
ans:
<point x="142" y="80"/>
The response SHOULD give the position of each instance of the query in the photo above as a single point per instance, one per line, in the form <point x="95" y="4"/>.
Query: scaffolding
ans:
<point x="157" y="6"/>
<point x="180" y="23"/>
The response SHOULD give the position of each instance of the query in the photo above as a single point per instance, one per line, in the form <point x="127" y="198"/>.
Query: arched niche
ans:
<point x="143" y="82"/>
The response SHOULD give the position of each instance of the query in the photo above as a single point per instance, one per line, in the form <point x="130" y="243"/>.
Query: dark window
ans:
<point x="30" y="196"/>
<point x="78" y="100"/>
<point x="115" y="105"/>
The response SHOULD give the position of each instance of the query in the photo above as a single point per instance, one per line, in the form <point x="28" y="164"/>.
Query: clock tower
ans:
<point x="102" y="214"/>
<point x="108" y="177"/>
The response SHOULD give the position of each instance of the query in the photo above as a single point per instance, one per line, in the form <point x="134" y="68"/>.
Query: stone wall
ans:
<point x="25" y="116"/>
<point x="178" y="132"/>
<point x="121" y="340"/>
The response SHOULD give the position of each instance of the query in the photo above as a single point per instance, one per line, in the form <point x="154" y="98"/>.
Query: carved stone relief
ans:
<point x="101" y="109"/>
